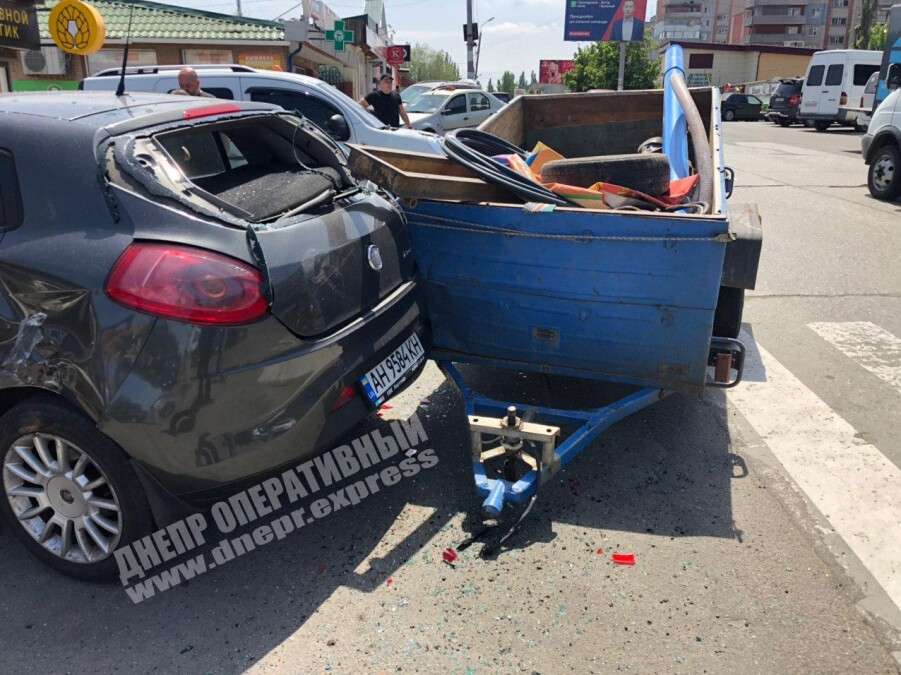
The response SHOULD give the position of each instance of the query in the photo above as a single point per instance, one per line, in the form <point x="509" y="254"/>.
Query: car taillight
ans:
<point x="794" y="100"/>
<point x="187" y="284"/>
<point x="843" y="99"/>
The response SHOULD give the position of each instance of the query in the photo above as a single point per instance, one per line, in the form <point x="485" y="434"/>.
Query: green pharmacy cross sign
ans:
<point x="339" y="36"/>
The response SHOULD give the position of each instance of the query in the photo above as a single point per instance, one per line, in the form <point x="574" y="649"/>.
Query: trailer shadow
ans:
<point x="665" y="471"/>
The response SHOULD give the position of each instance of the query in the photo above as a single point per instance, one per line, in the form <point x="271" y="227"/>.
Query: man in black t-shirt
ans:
<point x="386" y="103"/>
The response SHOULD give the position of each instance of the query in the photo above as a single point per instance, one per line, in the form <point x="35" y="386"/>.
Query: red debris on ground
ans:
<point x="449" y="556"/>
<point x="386" y="406"/>
<point x="322" y="568"/>
<point x="624" y="558"/>
<point x="390" y="581"/>
<point x="600" y="551"/>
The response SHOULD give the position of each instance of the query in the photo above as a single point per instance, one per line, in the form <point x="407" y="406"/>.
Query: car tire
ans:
<point x="884" y="176"/>
<point x="729" y="307"/>
<point x="729" y="115"/>
<point x="646" y="172"/>
<point x="83" y="499"/>
<point x="822" y="126"/>
<point x="784" y="123"/>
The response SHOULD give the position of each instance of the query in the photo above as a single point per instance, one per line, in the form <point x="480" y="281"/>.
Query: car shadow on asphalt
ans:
<point x="666" y="472"/>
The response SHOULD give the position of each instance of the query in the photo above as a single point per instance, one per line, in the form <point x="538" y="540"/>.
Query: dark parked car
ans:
<point x="741" y="107"/>
<point x="785" y="102"/>
<point x="193" y="293"/>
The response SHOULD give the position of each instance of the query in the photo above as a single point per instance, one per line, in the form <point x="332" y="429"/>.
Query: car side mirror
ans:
<point x="447" y="111"/>
<point x="893" y="79"/>
<point x="337" y="128"/>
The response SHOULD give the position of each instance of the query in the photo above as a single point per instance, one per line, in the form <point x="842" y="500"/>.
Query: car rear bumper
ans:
<point x="775" y="115"/>
<point x="205" y="409"/>
<point x="850" y="115"/>
<point x="817" y="117"/>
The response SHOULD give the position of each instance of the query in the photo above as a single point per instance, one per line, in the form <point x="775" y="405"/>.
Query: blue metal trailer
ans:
<point x="622" y="296"/>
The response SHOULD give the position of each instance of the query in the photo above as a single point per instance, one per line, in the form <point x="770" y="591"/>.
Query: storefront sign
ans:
<point x="262" y="60"/>
<point x="19" y="25"/>
<point x="397" y="54"/>
<point x="606" y="20"/>
<point x="45" y="85"/>
<point x="339" y="36"/>
<point x="77" y="27"/>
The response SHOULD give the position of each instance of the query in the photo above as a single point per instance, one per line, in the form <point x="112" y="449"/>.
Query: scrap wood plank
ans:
<point x="409" y="184"/>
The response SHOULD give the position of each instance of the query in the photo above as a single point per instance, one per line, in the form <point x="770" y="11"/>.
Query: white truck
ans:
<point x="834" y="78"/>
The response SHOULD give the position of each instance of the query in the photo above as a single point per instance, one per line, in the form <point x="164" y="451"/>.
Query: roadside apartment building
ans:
<point x="716" y="65"/>
<point x="167" y="34"/>
<point x="816" y="24"/>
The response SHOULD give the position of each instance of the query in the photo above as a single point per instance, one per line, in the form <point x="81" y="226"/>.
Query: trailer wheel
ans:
<point x="822" y="125"/>
<point x="729" y="308"/>
<point x="647" y="172"/>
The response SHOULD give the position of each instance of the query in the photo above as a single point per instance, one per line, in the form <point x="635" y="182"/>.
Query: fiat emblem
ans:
<point x="375" y="257"/>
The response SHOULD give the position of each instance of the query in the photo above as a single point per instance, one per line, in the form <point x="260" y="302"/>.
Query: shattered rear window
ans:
<point x="262" y="168"/>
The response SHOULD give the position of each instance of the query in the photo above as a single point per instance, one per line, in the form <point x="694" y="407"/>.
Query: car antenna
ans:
<point x="120" y="88"/>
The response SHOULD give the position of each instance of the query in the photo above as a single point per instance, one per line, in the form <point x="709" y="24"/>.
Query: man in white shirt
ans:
<point x="628" y="28"/>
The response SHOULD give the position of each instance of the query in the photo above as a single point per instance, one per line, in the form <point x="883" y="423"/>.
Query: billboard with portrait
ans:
<point x="604" y="20"/>
<point x="551" y="71"/>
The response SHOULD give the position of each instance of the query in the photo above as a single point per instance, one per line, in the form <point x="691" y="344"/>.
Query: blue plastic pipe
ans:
<point x="675" y="133"/>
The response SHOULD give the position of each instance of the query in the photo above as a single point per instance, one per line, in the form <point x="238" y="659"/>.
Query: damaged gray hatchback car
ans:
<point x="192" y="294"/>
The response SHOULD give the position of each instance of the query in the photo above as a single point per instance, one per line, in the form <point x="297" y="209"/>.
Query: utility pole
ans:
<point x="238" y="7"/>
<point x="621" y="75"/>
<point x="470" y="65"/>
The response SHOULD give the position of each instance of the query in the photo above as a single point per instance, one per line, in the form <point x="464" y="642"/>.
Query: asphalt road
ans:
<point x="742" y="563"/>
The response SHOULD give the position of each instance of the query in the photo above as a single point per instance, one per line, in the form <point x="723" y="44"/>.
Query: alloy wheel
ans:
<point x="62" y="498"/>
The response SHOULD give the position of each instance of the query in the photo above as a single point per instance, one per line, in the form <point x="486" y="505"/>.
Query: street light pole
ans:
<point x="238" y="7"/>
<point x="470" y="66"/>
<point x="479" y="47"/>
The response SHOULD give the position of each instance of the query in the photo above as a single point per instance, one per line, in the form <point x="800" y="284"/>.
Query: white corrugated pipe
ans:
<point x="699" y="140"/>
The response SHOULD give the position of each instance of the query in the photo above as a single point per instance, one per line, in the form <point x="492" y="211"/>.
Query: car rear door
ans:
<point x="812" y="90"/>
<point x="831" y="90"/>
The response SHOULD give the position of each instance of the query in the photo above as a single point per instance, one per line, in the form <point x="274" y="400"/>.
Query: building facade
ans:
<point x="809" y="24"/>
<point x="168" y="34"/>
<point x="717" y="65"/>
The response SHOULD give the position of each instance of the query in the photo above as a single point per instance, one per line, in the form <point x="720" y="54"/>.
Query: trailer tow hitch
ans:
<point x="522" y="454"/>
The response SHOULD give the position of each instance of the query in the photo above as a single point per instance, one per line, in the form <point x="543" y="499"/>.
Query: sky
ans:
<point x="522" y="32"/>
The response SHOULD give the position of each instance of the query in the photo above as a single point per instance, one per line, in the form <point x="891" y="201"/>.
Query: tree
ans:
<point x="490" y="86"/>
<point x="878" y="36"/>
<point x="863" y="31"/>
<point x="522" y="84"/>
<point x="597" y="66"/>
<point x="430" y="64"/>
<point x="533" y="83"/>
<point x="507" y="83"/>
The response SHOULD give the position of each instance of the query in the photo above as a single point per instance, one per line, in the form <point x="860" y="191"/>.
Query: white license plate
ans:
<point x="380" y="382"/>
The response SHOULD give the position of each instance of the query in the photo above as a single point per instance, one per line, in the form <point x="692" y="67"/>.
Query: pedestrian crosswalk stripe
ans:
<point x="849" y="480"/>
<point x="868" y="345"/>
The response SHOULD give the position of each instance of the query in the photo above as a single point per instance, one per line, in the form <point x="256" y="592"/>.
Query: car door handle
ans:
<point x="465" y="117"/>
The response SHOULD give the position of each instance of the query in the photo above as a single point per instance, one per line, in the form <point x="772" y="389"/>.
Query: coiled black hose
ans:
<point x="473" y="149"/>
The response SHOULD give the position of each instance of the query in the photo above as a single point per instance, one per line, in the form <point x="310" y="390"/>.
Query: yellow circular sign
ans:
<point x="77" y="27"/>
